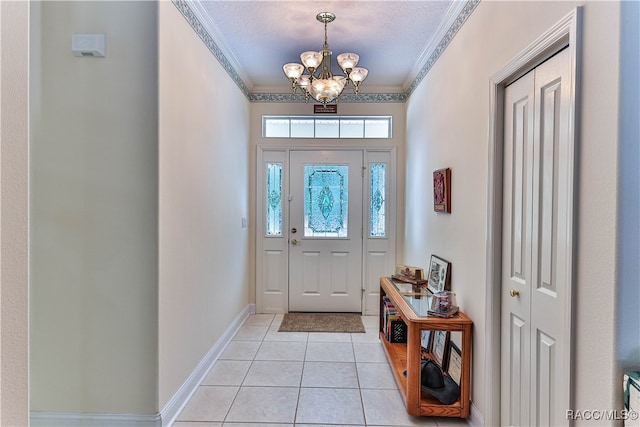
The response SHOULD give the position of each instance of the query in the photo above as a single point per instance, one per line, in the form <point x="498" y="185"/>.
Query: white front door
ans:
<point x="536" y="262"/>
<point x="325" y="231"/>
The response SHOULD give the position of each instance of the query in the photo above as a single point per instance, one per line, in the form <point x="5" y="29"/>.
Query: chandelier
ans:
<point x="319" y="82"/>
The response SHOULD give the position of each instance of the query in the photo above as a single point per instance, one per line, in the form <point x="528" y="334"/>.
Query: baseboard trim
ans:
<point x="72" y="419"/>
<point x="171" y="410"/>
<point x="176" y="404"/>
<point x="476" y="418"/>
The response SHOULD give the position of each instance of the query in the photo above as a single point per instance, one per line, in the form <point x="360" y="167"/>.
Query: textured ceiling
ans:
<point x="390" y="36"/>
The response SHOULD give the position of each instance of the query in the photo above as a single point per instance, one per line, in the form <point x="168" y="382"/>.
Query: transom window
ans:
<point x="326" y="127"/>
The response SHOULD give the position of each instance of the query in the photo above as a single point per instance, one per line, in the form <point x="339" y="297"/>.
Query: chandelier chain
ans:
<point x="326" y="43"/>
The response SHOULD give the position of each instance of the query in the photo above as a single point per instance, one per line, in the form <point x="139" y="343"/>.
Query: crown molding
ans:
<point x="220" y="40"/>
<point x="447" y="22"/>
<point x="453" y="21"/>
<point x="196" y="15"/>
<point x="194" y="19"/>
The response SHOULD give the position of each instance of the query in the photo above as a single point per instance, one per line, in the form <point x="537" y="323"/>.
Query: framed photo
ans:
<point x="425" y="340"/>
<point x="454" y="362"/>
<point x="439" y="346"/>
<point x="442" y="190"/>
<point x="439" y="278"/>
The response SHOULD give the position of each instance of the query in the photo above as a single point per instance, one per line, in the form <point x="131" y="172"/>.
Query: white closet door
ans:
<point x="516" y="251"/>
<point x="536" y="250"/>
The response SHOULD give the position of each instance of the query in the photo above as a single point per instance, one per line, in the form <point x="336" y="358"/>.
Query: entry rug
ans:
<point x="321" y="322"/>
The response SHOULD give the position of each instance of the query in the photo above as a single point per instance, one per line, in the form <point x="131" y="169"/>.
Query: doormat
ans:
<point x="322" y="322"/>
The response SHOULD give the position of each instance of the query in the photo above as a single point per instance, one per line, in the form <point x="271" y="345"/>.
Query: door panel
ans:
<point x="536" y="221"/>
<point x="325" y="252"/>
<point x="551" y="224"/>
<point x="516" y="247"/>
<point x="273" y="260"/>
<point x="518" y="380"/>
<point x="546" y="373"/>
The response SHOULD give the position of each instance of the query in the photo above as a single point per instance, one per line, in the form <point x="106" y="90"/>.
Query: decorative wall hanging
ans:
<point x="442" y="190"/>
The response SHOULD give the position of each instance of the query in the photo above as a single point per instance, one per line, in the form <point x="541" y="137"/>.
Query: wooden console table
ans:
<point x="412" y="308"/>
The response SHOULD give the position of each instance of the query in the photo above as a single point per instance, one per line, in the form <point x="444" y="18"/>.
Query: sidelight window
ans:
<point x="377" y="200"/>
<point x="274" y="199"/>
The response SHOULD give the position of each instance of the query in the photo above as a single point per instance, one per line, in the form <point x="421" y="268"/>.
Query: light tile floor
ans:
<point x="285" y="379"/>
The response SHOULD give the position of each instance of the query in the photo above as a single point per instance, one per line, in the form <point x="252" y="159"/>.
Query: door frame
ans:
<point x="370" y="297"/>
<point x="566" y="33"/>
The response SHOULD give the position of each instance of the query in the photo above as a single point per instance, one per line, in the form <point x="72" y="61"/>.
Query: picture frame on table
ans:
<point x="442" y="190"/>
<point x="454" y="362"/>
<point x="439" y="275"/>
<point x="425" y="340"/>
<point x="439" y="346"/>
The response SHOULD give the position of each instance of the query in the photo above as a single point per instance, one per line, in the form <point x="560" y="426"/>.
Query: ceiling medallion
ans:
<point x="319" y="83"/>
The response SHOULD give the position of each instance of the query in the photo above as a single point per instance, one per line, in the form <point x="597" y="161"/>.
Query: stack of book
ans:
<point x="393" y="327"/>
<point x="408" y="279"/>
<point x="450" y="312"/>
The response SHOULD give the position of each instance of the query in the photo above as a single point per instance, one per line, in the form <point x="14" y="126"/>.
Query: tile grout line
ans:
<point x="355" y="362"/>
<point x="304" y="369"/>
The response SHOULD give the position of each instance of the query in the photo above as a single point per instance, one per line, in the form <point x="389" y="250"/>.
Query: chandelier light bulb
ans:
<point x="311" y="59"/>
<point x="358" y="74"/>
<point x="304" y="81"/>
<point x="347" y="61"/>
<point x="293" y="70"/>
<point x="326" y="90"/>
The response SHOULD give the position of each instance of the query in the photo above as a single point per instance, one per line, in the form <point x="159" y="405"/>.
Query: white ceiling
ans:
<point x="392" y="37"/>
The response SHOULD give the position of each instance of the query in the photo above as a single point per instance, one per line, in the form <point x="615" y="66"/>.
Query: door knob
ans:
<point x="294" y="242"/>
<point x="514" y="293"/>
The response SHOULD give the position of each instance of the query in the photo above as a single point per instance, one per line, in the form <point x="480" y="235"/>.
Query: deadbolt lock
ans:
<point x="294" y="230"/>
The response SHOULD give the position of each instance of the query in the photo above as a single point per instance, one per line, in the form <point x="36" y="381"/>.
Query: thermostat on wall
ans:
<point x="89" y="45"/>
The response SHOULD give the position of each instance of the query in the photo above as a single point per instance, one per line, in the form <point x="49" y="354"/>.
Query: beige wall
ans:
<point x="139" y="185"/>
<point x="14" y="142"/>
<point x="203" y="173"/>
<point x="447" y="120"/>
<point x="94" y="198"/>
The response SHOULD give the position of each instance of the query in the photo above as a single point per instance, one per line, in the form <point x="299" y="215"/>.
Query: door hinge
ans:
<point x="363" y="169"/>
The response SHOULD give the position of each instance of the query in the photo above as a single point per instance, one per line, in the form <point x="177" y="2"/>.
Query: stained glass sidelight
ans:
<point x="274" y="199"/>
<point x="326" y="200"/>
<point x="377" y="207"/>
